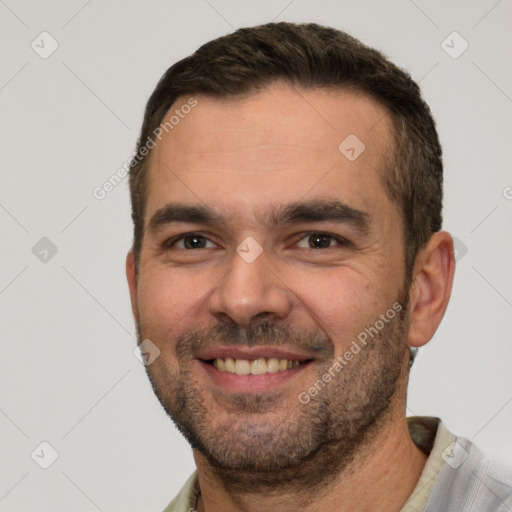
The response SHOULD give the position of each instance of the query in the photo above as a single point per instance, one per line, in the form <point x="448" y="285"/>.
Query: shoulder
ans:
<point x="468" y="482"/>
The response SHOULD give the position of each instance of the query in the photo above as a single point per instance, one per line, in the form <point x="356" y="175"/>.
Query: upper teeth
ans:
<point x="254" y="367"/>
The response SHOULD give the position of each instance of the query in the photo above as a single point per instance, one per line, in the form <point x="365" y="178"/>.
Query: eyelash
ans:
<point x="168" y="244"/>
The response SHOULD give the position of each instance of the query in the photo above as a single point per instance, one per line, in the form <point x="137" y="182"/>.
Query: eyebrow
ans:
<point x="179" y="212"/>
<point x="320" y="211"/>
<point x="317" y="210"/>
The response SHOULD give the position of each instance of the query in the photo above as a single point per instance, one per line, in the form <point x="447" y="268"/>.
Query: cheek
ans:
<point x="168" y="301"/>
<point x="339" y="300"/>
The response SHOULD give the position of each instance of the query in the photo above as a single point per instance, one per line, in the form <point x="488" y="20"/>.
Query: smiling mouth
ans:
<point x="258" y="366"/>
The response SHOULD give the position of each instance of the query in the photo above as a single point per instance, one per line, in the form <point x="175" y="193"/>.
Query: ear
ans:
<point x="431" y="288"/>
<point x="131" y="276"/>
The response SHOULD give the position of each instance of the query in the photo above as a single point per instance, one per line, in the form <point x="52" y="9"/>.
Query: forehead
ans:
<point x="271" y="147"/>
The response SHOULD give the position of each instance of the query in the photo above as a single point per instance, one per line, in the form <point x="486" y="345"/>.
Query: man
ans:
<point x="287" y="262"/>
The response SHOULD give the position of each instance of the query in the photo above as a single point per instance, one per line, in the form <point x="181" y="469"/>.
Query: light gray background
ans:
<point x="68" y="374"/>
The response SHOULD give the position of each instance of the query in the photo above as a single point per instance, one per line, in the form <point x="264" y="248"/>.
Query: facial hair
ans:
<point x="269" y="440"/>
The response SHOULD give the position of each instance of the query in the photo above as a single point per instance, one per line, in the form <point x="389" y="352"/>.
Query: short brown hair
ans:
<point x="311" y="56"/>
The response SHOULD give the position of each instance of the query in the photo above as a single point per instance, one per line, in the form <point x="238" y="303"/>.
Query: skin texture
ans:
<point x="260" y="447"/>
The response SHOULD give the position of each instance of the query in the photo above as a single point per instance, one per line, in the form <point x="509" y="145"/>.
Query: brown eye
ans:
<point x="194" y="242"/>
<point x="320" y="241"/>
<point x="189" y="242"/>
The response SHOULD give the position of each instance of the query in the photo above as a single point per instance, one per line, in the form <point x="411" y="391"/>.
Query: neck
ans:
<point x="385" y="471"/>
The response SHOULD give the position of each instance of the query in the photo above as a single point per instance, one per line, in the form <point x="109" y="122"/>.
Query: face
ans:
<point x="270" y="254"/>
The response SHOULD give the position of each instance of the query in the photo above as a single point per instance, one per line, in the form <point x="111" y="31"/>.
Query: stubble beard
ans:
<point x="268" y="443"/>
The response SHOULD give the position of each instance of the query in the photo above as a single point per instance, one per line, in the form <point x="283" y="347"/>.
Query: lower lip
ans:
<point x="252" y="383"/>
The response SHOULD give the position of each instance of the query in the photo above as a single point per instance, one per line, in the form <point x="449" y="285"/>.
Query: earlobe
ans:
<point x="431" y="288"/>
<point x="131" y="276"/>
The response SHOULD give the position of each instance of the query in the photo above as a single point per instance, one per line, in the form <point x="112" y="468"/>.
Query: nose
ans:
<point x="249" y="292"/>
